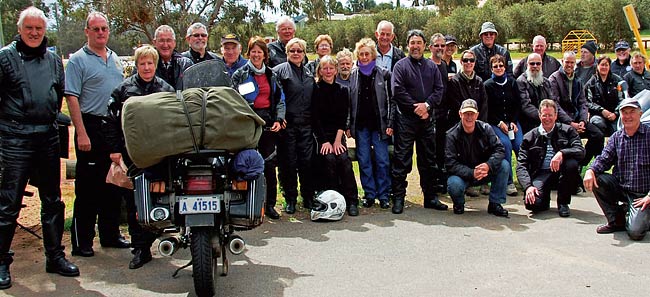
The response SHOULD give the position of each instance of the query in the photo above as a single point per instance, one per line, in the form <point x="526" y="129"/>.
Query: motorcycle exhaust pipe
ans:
<point x="168" y="246"/>
<point x="236" y="245"/>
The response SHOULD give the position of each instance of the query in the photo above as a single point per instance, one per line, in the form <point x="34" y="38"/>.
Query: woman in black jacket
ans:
<point x="296" y="144"/>
<point x="143" y="83"/>
<point x="259" y="86"/>
<point x="503" y="111"/>
<point x="330" y="103"/>
<point x="603" y="96"/>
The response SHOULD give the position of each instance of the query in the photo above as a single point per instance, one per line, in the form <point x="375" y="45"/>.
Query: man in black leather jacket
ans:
<point x="143" y="83"/>
<point x="31" y="92"/>
<point x="171" y="63"/>
<point x="475" y="156"/>
<point x="549" y="155"/>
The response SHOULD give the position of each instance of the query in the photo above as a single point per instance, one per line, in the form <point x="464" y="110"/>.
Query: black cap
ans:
<point x="590" y="46"/>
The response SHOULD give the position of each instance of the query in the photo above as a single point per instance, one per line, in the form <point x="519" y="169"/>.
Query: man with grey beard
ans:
<point x="345" y="62"/>
<point x="533" y="88"/>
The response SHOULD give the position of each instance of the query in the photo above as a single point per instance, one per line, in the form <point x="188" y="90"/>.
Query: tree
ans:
<point x="446" y="7"/>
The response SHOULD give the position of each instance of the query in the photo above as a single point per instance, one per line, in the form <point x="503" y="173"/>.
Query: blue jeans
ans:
<point x="509" y="145"/>
<point x="456" y="185"/>
<point x="375" y="180"/>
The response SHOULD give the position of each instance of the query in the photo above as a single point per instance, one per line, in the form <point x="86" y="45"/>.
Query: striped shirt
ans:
<point x="630" y="157"/>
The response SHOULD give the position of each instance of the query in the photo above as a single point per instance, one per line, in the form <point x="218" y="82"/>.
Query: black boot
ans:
<point x="5" y="276"/>
<point x="308" y="203"/>
<point x="291" y="207"/>
<point x="271" y="213"/>
<point x="398" y="205"/>
<point x="140" y="257"/>
<point x="61" y="266"/>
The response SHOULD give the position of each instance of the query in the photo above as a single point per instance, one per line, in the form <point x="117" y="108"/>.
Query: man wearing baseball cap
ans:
<point x="488" y="48"/>
<point x="475" y="156"/>
<point x="621" y="66"/>
<point x="231" y="53"/>
<point x="628" y="151"/>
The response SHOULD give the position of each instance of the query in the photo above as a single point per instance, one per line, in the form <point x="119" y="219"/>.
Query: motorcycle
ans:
<point x="201" y="202"/>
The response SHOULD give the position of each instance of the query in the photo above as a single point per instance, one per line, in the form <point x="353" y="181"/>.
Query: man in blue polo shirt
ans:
<point x="91" y="75"/>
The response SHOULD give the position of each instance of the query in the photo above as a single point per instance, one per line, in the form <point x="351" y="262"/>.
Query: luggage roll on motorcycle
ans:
<point x="201" y="146"/>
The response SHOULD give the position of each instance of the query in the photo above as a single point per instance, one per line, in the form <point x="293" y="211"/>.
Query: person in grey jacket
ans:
<point x="371" y="122"/>
<point x="488" y="48"/>
<point x="533" y="88"/>
<point x="569" y="93"/>
<point x="260" y="87"/>
<point x="31" y="93"/>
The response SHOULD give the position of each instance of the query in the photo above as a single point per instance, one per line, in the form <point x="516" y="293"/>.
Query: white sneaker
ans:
<point x="511" y="190"/>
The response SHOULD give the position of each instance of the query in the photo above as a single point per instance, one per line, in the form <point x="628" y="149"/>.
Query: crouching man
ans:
<point x="628" y="150"/>
<point x="475" y="156"/>
<point x="549" y="156"/>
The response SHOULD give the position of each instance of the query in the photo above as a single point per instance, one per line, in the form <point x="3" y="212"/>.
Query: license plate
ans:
<point x="199" y="204"/>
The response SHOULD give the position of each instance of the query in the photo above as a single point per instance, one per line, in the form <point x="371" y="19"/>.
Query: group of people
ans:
<point x="465" y="122"/>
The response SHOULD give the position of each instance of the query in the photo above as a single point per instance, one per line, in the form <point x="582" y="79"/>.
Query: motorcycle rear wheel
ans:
<point x="204" y="263"/>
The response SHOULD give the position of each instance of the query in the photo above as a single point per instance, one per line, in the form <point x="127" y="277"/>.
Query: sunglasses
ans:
<point x="97" y="29"/>
<point x="438" y="45"/>
<point x="293" y="51"/>
<point x="197" y="35"/>
<point x="534" y="63"/>
<point x="469" y="60"/>
<point x="496" y="66"/>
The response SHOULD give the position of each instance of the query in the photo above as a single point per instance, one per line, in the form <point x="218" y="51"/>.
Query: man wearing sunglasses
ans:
<point x="488" y="48"/>
<point x="533" y="88"/>
<point x="91" y="75"/>
<point x="197" y="38"/>
<point x="417" y="90"/>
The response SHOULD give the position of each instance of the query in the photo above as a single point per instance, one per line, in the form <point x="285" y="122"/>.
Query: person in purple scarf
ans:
<point x="371" y="122"/>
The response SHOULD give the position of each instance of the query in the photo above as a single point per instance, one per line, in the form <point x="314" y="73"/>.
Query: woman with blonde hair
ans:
<point x="330" y="103"/>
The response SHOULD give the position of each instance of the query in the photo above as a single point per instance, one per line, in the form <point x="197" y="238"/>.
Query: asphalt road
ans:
<point x="419" y="253"/>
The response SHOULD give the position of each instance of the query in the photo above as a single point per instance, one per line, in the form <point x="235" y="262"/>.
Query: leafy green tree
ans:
<point x="446" y="7"/>
<point x="525" y="20"/>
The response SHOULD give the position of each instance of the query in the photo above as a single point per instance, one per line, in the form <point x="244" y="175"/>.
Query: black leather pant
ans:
<point x="140" y="237"/>
<point x="340" y="177"/>
<point x="609" y="193"/>
<point x="95" y="200"/>
<point x="21" y="157"/>
<point x="409" y="130"/>
<point x="565" y="181"/>
<point x="595" y="142"/>
<point x="267" y="148"/>
<point x="296" y="156"/>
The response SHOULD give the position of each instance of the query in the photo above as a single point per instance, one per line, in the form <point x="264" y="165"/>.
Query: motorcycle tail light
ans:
<point x="199" y="184"/>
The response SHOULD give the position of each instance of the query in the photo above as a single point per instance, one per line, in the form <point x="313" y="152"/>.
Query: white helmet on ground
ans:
<point x="330" y="206"/>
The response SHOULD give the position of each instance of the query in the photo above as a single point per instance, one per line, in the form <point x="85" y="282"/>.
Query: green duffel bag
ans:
<point x="158" y="125"/>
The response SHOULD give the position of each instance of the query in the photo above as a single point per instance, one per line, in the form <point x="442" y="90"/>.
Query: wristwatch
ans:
<point x="427" y="105"/>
